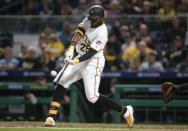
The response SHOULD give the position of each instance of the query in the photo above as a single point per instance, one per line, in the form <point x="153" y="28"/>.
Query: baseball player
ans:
<point x="88" y="41"/>
<point x="169" y="89"/>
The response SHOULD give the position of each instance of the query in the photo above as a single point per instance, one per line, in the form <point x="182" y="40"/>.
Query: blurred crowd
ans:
<point x="137" y="47"/>
<point x="133" y="45"/>
<point x="42" y="53"/>
<point x="113" y="7"/>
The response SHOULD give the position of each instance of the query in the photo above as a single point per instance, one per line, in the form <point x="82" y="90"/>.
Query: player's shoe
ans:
<point x="129" y="116"/>
<point x="49" y="122"/>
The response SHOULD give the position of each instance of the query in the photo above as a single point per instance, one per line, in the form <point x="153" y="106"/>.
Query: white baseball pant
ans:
<point x="90" y="71"/>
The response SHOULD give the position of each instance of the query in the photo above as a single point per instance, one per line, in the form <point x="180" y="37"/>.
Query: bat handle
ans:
<point x="59" y="75"/>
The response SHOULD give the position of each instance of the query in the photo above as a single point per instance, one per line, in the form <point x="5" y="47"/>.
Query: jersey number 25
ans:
<point x="84" y="47"/>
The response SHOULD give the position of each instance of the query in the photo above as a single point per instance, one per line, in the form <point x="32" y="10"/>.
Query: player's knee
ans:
<point x="93" y="99"/>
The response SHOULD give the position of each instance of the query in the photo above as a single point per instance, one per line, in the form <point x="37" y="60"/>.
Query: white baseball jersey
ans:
<point x="91" y="69"/>
<point x="95" y="38"/>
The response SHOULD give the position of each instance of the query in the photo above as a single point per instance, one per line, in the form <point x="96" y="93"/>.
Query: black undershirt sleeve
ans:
<point x="88" y="55"/>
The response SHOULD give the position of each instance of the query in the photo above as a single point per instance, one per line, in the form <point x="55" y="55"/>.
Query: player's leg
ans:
<point x="55" y="104"/>
<point x="70" y="75"/>
<point x="91" y="77"/>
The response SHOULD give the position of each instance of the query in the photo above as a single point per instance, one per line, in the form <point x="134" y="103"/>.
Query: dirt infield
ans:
<point x="38" y="126"/>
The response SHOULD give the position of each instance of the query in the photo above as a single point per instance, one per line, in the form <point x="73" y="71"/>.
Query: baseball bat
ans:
<point x="59" y="75"/>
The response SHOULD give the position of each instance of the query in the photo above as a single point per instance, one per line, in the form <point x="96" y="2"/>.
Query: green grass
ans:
<point x="38" y="126"/>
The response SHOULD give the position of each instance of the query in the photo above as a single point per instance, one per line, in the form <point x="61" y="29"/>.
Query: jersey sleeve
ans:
<point x="99" y="43"/>
<point x="85" y="24"/>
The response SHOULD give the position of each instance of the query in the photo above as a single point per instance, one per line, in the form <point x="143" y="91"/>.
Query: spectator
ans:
<point x="55" y="47"/>
<point x="65" y="34"/>
<point x="114" y="8"/>
<point x="44" y="7"/>
<point x="147" y="8"/>
<point x="130" y="42"/>
<point x="47" y="32"/>
<point x="144" y="51"/>
<point x="124" y="32"/>
<point x="128" y="45"/>
<point x="182" y="6"/>
<point x="129" y="7"/>
<point x="22" y="53"/>
<point x="1" y="53"/>
<point x="176" y="54"/>
<point x="8" y="62"/>
<point x="81" y="9"/>
<point x="67" y="7"/>
<point x="134" y="56"/>
<point x="39" y="45"/>
<point x="151" y="64"/>
<point x="130" y="58"/>
<point x="62" y="8"/>
<point x="47" y="62"/>
<point x="112" y="52"/>
<point x="166" y="11"/>
<point x="30" y="8"/>
<point x="144" y="35"/>
<point x="30" y="62"/>
<point x="175" y="30"/>
<point x="122" y="26"/>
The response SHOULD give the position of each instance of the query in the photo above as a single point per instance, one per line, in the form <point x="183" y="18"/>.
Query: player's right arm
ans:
<point x="77" y="35"/>
<point x="96" y="46"/>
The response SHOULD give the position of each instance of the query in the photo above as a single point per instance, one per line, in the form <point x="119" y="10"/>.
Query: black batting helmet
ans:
<point x="96" y="12"/>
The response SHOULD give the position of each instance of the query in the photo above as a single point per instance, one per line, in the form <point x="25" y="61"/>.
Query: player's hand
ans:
<point x="69" y="53"/>
<point x="67" y="59"/>
<point x="167" y="90"/>
<point x="74" y="61"/>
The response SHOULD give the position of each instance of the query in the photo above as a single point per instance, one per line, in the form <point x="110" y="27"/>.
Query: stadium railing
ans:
<point x="15" y="100"/>
<point x="145" y="102"/>
<point x="140" y="99"/>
